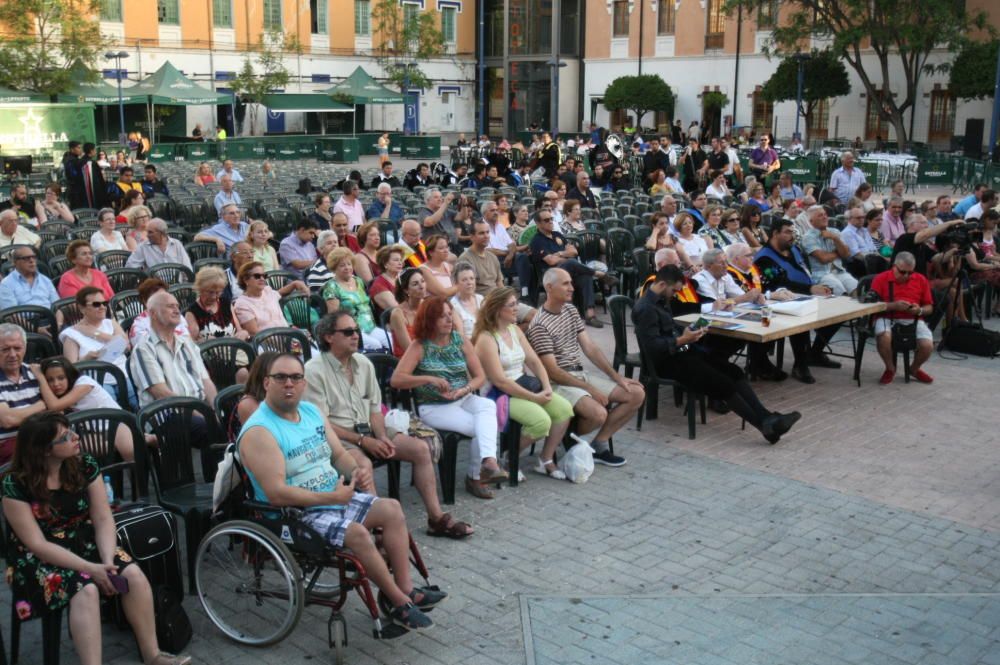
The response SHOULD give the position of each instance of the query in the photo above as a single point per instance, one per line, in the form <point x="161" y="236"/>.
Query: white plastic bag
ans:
<point x="578" y="462"/>
<point x="398" y="420"/>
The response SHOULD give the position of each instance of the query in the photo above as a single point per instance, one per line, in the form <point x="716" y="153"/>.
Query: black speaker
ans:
<point x="16" y="165"/>
<point x="974" y="137"/>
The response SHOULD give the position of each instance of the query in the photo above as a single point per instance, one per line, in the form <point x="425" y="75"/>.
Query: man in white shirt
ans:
<point x="844" y="182"/>
<point x="227" y="195"/>
<point x="734" y="171"/>
<point x="717" y="288"/>
<point x="988" y="200"/>
<point x="227" y="169"/>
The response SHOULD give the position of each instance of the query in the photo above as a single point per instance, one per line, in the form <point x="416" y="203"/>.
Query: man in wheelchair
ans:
<point x="287" y="448"/>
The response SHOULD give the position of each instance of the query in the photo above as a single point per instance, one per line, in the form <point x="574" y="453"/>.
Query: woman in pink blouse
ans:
<point x="83" y="273"/>
<point x="259" y="308"/>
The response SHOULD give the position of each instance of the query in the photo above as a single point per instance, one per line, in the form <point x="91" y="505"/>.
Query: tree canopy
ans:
<point x="640" y="95"/>
<point x="899" y="35"/>
<point x="402" y="44"/>
<point x="823" y="76"/>
<point x="42" y="40"/>
<point x="263" y="71"/>
<point x="974" y="72"/>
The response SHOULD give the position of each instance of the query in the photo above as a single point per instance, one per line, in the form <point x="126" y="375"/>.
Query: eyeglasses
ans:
<point x="97" y="304"/>
<point x="904" y="273"/>
<point x="285" y="378"/>
<point x="26" y="258"/>
<point x="69" y="436"/>
<point x="256" y="275"/>
<point x="141" y="217"/>
<point x="348" y="332"/>
<point x="544" y="219"/>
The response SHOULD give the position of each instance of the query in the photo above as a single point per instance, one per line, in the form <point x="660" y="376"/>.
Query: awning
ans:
<point x="8" y="96"/>
<point x="85" y="87"/>
<point x="361" y="88"/>
<point x="168" y="87"/>
<point x="294" y="102"/>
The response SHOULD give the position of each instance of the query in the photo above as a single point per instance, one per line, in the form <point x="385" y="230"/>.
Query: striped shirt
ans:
<point x="180" y="368"/>
<point x="18" y="394"/>
<point x="558" y="334"/>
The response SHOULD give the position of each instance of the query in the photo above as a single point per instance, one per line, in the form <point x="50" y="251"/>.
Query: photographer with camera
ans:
<point x="907" y="297"/>
<point x="940" y="263"/>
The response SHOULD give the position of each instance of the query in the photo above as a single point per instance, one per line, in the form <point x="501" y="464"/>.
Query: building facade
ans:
<point x="696" y="48"/>
<point x="208" y="39"/>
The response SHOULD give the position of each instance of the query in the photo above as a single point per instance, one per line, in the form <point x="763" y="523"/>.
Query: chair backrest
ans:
<point x="185" y="294"/>
<point x="204" y="263"/>
<point x="617" y="306"/>
<point x="383" y="318"/>
<point x="39" y="348"/>
<point x="52" y="248"/>
<point x="124" y="279"/>
<point x="70" y="312"/>
<point x="172" y="273"/>
<point x="620" y="244"/>
<point x="7" y="250"/>
<point x="384" y="364"/>
<point x="277" y="279"/>
<point x="99" y="371"/>
<point x="59" y="264"/>
<point x="200" y="249"/>
<point x="113" y="258"/>
<point x="171" y="420"/>
<point x="296" y="308"/>
<point x="126" y="305"/>
<point x="31" y="318"/>
<point x="224" y="357"/>
<point x="97" y="429"/>
<point x="284" y="340"/>
<point x="226" y="402"/>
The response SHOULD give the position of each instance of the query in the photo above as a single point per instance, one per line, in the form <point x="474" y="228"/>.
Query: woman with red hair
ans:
<point x="442" y="369"/>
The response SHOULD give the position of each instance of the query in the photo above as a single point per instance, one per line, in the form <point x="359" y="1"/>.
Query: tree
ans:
<point x="43" y="38"/>
<point x="974" y="71"/>
<point x="876" y="37"/>
<point x="402" y="44"/>
<point x="640" y="95"/>
<point x="824" y="76"/>
<point x="263" y="71"/>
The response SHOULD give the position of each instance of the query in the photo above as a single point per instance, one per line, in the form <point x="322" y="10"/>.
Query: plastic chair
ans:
<point x="652" y="382"/>
<point x="185" y="294"/>
<point x="224" y="357"/>
<point x="284" y="340"/>
<point x="225" y="405"/>
<point x="297" y="308"/>
<point x="113" y="258"/>
<point x="278" y="279"/>
<point x="71" y="313"/>
<point x="39" y="347"/>
<point x="172" y="273"/>
<point x="124" y="279"/>
<point x="631" y="361"/>
<point x="31" y="318"/>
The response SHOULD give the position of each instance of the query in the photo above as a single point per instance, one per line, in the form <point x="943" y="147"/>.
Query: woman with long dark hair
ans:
<point x="63" y="551"/>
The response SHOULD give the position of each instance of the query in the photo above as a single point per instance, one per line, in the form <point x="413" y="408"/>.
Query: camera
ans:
<point x="959" y="238"/>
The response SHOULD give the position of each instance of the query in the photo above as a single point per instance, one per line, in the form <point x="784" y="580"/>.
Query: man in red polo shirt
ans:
<point x="907" y="295"/>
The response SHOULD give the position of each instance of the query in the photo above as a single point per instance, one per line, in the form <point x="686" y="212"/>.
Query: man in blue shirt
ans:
<point x="227" y="194"/>
<point x="972" y="199"/>
<point x="844" y="182"/>
<point x="383" y="208"/>
<point x="25" y="285"/>
<point x="227" y="231"/>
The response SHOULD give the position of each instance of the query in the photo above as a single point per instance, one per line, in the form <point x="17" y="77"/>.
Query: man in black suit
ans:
<point x="386" y="176"/>
<point x="680" y="355"/>
<point x="581" y="191"/>
<point x="653" y="160"/>
<point x="88" y="188"/>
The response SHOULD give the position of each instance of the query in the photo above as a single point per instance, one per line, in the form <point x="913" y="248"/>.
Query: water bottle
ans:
<point x="109" y="490"/>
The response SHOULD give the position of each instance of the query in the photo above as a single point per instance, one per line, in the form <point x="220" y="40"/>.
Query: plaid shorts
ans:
<point x="331" y="522"/>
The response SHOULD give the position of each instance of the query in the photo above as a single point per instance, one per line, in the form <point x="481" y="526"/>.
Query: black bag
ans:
<point x="904" y="335"/>
<point x="530" y="383"/>
<point x="972" y="338"/>
<point x="149" y="535"/>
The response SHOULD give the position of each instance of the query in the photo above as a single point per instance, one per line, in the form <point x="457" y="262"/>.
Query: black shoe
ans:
<point x="773" y="374"/>
<point x="429" y="597"/>
<point x="594" y="322"/>
<point x="822" y="360"/>
<point x="719" y="406"/>
<point x="803" y="374"/>
<point x="609" y="281"/>
<point x="785" y="422"/>
<point x="607" y="458"/>
<point x="410" y="617"/>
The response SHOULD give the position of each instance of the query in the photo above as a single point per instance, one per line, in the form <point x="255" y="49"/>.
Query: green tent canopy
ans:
<point x="363" y="89"/>
<point x="294" y="102"/>
<point x="83" y="88"/>
<point x="8" y="96"/>
<point x="168" y="87"/>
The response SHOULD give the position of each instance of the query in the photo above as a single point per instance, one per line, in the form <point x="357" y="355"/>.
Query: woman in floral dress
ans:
<point x="63" y="551"/>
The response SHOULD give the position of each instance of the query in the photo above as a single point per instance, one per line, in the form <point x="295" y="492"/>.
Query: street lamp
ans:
<point x="118" y="57"/>
<point x="801" y="59"/>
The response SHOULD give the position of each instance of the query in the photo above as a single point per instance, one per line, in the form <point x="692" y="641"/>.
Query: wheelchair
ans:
<point x="260" y="566"/>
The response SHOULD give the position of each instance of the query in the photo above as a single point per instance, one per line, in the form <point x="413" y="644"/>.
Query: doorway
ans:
<point x="448" y="111"/>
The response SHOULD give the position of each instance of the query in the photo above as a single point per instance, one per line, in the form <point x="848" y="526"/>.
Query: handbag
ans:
<point x="904" y="335"/>
<point x="530" y="383"/>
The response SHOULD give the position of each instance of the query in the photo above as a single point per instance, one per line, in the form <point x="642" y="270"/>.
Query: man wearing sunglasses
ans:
<point x="907" y="297"/>
<point x="342" y="383"/>
<point x="25" y="285"/>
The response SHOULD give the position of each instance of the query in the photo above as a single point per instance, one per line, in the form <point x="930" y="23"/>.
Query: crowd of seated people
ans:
<point x="481" y="297"/>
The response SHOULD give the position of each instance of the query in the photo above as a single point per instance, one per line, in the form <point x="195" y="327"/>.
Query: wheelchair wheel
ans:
<point x="249" y="583"/>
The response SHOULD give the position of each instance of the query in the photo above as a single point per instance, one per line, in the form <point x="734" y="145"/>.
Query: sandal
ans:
<point x="543" y="469"/>
<point x="410" y="617"/>
<point x="164" y="658"/>
<point x="446" y="527"/>
<point x="487" y="475"/>
<point x="430" y="597"/>
<point x="477" y="489"/>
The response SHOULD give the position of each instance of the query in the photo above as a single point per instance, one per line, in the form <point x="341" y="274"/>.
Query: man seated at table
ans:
<point x="559" y="337"/>
<point x="342" y="383"/>
<point x="907" y="297"/>
<point x="827" y="252"/>
<point x="679" y="354"/>
<point x="685" y="299"/>
<point x="782" y="267"/>
<point x="746" y="275"/>
<point x="718" y="291"/>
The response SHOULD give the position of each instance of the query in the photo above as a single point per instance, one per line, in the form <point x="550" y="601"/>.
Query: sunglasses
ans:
<point x="284" y="378"/>
<point x="903" y="273"/>
<point x="26" y="258"/>
<point x="99" y="304"/>
<point x="348" y="332"/>
<point x="69" y="436"/>
<point x="256" y="275"/>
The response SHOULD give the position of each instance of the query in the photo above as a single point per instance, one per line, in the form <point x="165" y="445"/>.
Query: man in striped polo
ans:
<point x="19" y="395"/>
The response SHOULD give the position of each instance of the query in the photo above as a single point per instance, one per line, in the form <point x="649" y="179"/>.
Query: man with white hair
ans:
<point x="227" y="231"/>
<point x="745" y="274"/>
<point x="165" y="365"/>
<point x="227" y="195"/>
<point x="907" y="297"/>
<point x="228" y="170"/>
<point x="25" y="285"/>
<point x="12" y="233"/>
<point x="846" y="180"/>
<point x="158" y="248"/>
<point x="19" y="393"/>
<point x="827" y="252"/>
<point x="800" y="222"/>
<point x="716" y="287"/>
<point x="437" y="217"/>
<point x="383" y="208"/>
<point x="559" y="337"/>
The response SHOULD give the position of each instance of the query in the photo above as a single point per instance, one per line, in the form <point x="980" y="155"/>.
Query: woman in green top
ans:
<point x="442" y="369"/>
<point x="346" y="291"/>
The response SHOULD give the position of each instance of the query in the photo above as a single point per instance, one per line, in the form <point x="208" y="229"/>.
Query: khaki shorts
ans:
<point x="572" y="394"/>
<point x="883" y="326"/>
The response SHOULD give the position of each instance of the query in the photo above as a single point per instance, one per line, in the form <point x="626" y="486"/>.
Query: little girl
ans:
<point x="257" y="235"/>
<point x="65" y="389"/>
